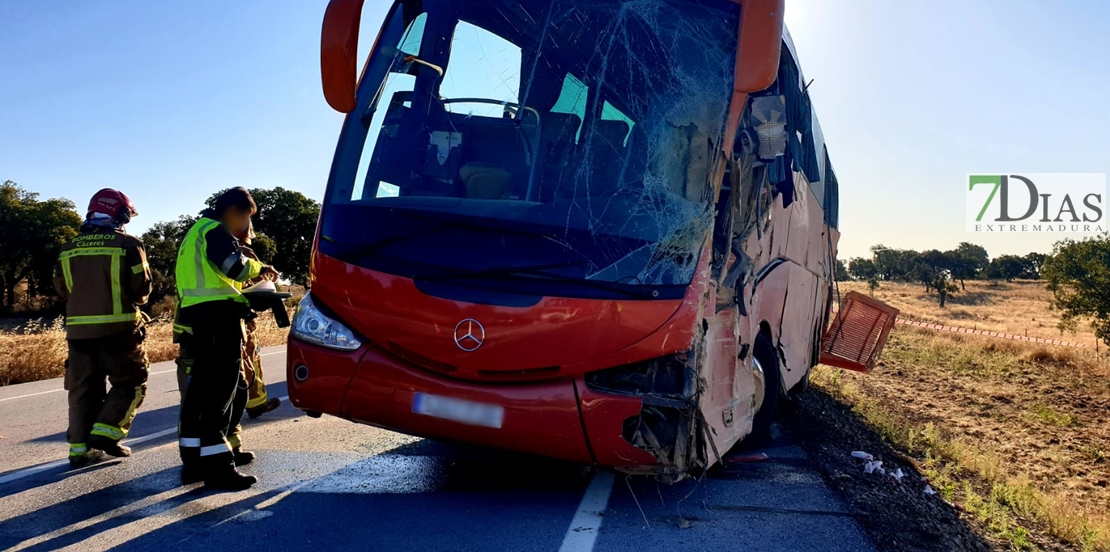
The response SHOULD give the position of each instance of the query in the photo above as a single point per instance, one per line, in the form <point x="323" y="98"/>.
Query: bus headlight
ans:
<point x="660" y="376"/>
<point x="310" y="324"/>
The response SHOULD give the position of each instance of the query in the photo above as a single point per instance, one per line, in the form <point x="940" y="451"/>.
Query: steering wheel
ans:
<point x="514" y="109"/>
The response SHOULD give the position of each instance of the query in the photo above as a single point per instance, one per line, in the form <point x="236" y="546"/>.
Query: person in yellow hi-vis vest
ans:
<point x="250" y="397"/>
<point x="209" y="322"/>
<point x="103" y="276"/>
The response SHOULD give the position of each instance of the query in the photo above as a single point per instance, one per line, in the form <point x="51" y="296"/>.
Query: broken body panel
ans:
<point x="566" y="224"/>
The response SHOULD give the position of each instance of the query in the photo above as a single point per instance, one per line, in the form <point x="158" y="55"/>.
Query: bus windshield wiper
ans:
<point x="442" y="224"/>
<point x="531" y="270"/>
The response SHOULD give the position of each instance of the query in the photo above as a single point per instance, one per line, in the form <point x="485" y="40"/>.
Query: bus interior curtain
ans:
<point x="779" y="175"/>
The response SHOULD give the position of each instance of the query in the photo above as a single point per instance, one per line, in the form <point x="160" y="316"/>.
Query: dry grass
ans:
<point x="38" y="350"/>
<point x="1013" y="433"/>
<point x="35" y="352"/>
<point x="1019" y="308"/>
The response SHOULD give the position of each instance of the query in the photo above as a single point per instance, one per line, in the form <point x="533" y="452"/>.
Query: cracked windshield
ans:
<point x="555" y="147"/>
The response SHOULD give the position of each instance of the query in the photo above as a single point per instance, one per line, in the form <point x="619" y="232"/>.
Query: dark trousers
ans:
<point x="234" y="431"/>
<point x="207" y="408"/>
<point x="93" y="409"/>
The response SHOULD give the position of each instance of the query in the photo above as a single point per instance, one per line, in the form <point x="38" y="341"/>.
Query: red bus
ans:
<point x="596" y="230"/>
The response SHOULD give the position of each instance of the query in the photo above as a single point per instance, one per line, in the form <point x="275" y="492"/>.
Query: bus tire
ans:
<point x="768" y="359"/>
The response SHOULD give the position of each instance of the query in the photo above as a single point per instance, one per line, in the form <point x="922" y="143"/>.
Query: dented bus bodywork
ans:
<point x="600" y="230"/>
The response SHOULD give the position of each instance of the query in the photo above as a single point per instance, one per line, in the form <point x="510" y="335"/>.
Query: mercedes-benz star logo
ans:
<point x="469" y="334"/>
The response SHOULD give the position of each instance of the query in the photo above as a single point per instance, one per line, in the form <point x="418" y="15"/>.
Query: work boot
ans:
<point x="191" y="474"/>
<point x="229" y="479"/>
<point x="242" y="457"/>
<point x="269" y="405"/>
<point x="109" y="446"/>
<point x="90" y="457"/>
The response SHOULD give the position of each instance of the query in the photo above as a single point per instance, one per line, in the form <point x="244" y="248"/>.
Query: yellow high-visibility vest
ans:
<point x="198" y="279"/>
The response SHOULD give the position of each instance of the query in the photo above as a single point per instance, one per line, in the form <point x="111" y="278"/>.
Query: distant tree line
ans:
<point x="32" y="230"/>
<point x="939" y="271"/>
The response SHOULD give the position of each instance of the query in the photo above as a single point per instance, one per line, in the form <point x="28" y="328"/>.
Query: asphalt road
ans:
<point x="335" y="485"/>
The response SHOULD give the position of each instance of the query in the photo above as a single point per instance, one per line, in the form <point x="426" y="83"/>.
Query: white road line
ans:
<point x="31" y="395"/>
<point x="152" y="373"/>
<point x="64" y="462"/>
<point x="32" y="471"/>
<point x="150" y="436"/>
<point x="586" y="524"/>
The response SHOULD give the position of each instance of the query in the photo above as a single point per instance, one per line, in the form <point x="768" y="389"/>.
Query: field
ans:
<point x="1018" y="308"/>
<point x="1014" y="437"/>
<point x="37" y="350"/>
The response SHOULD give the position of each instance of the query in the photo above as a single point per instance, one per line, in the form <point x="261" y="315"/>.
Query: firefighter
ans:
<point x="104" y="277"/>
<point x="251" y="392"/>
<point x="211" y="310"/>
<point x="258" y="402"/>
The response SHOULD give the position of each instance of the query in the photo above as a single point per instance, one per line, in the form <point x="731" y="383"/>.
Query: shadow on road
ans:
<point x="147" y="422"/>
<point x="417" y="496"/>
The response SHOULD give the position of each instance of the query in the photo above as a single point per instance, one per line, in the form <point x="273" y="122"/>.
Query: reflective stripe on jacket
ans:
<point x="104" y="277"/>
<point x="210" y="265"/>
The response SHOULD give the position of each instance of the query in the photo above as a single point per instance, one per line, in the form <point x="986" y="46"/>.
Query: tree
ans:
<point x="841" y="271"/>
<point x="1078" y="274"/>
<point x="31" y="233"/>
<point x="265" y="248"/>
<point x="934" y="269"/>
<point x="927" y="267"/>
<point x="1007" y="267"/>
<point x="943" y="285"/>
<point x="288" y="219"/>
<point x="894" y="264"/>
<point x="1033" y="263"/>
<point x="885" y="260"/>
<point x="862" y="269"/>
<point x="967" y="262"/>
<point x="872" y="285"/>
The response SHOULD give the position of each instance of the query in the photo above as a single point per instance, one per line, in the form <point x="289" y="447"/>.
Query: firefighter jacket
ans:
<point x="210" y="266"/>
<point x="104" y="277"/>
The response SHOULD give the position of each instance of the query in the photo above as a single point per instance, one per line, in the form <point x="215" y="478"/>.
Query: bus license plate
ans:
<point x="458" y="410"/>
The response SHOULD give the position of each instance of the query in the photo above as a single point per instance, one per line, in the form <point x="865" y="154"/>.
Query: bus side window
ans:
<point x="390" y="104"/>
<point x="572" y="101"/>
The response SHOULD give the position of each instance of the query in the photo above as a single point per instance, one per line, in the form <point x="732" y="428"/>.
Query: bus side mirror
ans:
<point x="338" y="53"/>
<point x="757" y="54"/>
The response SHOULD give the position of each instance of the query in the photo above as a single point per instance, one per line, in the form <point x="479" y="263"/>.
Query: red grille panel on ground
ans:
<point x="856" y="337"/>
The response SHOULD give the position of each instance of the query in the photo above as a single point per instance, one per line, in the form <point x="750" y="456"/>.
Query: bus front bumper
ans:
<point x="557" y="418"/>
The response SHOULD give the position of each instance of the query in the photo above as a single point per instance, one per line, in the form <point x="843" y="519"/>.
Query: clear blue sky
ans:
<point x="171" y="101"/>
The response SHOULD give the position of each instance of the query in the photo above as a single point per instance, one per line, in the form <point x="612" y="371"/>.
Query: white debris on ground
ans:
<point x="929" y="490"/>
<point x="875" y="467"/>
